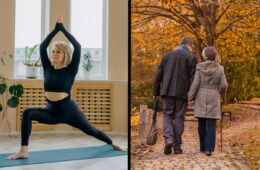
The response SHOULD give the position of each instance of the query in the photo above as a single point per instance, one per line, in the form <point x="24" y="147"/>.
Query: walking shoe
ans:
<point x="208" y="153"/>
<point x="168" y="148"/>
<point x="177" y="151"/>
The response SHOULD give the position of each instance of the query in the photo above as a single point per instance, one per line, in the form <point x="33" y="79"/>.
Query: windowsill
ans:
<point x="78" y="78"/>
<point x="23" y="77"/>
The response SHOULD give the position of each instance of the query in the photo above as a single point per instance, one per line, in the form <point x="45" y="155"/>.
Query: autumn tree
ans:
<point x="206" y="20"/>
<point x="157" y="26"/>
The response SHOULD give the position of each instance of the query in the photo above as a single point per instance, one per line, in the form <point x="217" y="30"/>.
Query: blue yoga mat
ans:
<point x="58" y="155"/>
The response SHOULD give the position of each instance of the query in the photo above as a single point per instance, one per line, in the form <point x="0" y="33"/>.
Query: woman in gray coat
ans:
<point x="206" y="88"/>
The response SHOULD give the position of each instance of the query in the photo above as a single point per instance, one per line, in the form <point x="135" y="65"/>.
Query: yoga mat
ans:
<point x="58" y="155"/>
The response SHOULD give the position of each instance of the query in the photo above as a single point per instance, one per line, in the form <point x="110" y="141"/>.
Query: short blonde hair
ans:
<point x="64" y="47"/>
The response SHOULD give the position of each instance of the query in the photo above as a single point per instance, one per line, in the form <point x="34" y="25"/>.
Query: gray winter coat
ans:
<point x="208" y="83"/>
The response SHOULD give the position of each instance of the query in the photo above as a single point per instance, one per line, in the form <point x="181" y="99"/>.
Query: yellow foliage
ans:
<point x="134" y="120"/>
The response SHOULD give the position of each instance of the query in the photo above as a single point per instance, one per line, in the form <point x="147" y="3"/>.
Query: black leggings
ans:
<point x="62" y="111"/>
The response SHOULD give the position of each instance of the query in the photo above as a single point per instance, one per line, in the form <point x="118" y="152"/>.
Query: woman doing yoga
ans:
<point x="59" y="75"/>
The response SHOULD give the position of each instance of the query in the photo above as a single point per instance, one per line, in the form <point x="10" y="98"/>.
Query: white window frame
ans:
<point x="45" y="18"/>
<point x="45" y="25"/>
<point x="104" y="37"/>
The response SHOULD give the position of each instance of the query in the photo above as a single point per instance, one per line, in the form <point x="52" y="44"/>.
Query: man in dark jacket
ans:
<point x="173" y="79"/>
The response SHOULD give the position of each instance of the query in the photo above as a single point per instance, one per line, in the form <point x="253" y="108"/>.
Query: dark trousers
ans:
<point x="62" y="111"/>
<point x="207" y="134"/>
<point x="173" y="119"/>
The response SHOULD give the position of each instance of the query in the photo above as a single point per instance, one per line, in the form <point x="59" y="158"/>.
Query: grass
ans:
<point x="247" y="145"/>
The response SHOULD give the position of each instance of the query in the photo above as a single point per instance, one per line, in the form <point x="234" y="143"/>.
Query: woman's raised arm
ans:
<point x="44" y="45"/>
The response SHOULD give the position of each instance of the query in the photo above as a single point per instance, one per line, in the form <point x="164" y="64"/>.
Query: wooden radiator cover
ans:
<point x="33" y="97"/>
<point x="94" y="99"/>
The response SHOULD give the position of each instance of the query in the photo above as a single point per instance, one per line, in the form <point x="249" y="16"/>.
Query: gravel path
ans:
<point x="145" y="157"/>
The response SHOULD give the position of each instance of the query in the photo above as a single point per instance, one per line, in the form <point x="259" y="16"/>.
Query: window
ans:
<point x="88" y="25"/>
<point x="30" y="29"/>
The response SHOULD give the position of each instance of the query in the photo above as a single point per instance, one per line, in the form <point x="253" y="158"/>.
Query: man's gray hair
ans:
<point x="187" y="40"/>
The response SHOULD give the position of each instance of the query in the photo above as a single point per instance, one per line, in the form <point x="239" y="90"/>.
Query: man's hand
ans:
<point x="156" y="97"/>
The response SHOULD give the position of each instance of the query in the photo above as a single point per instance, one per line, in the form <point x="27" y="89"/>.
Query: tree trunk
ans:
<point x="198" y="50"/>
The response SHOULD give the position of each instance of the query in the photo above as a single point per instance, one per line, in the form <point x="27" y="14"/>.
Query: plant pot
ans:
<point x="86" y="75"/>
<point x="31" y="72"/>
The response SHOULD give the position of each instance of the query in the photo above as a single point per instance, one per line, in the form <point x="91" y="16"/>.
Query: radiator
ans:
<point x="94" y="99"/>
<point x="95" y="102"/>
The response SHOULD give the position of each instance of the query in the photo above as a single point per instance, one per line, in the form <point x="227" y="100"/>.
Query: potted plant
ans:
<point x="9" y="92"/>
<point x="87" y="64"/>
<point x="31" y="65"/>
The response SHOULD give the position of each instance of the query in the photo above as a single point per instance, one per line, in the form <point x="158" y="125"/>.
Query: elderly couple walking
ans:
<point x="180" y="80"/>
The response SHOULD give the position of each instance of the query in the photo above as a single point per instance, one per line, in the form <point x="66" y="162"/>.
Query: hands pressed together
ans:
<point x="59" y="19"/>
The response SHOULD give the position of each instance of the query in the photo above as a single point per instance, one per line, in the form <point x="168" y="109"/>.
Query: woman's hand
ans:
<point x="59" y="23"/>
<point x="190" y="103"/>
<point x="59" y="19"/>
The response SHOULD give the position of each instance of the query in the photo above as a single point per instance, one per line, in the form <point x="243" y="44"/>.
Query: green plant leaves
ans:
<point x="16" y="90"/>
<point x="87" y="64"/>
<point x="2" y="88"/>
<point x="4" y="54"/>
<point x="13" y="102"/>
<point x="19" y="90"/>
<point x="11" y="89"/>
<point x="29" y="52"/>
<point x="2" y="60"/>
<point x="242" y="80"/>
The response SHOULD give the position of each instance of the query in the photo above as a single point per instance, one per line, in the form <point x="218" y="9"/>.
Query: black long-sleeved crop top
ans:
<point x="59" y="80"/>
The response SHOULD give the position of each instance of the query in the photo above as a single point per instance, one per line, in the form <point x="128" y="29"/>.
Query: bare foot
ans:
<point x="116" y="147"/>
<point x="19" y="155"/>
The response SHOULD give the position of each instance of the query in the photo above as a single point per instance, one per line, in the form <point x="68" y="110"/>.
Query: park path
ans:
<point x="145" y="157"/>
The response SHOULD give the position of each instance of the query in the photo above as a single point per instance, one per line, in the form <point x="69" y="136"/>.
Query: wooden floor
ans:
<point x="59" y="140"/>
